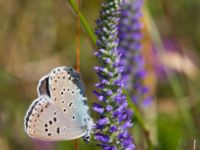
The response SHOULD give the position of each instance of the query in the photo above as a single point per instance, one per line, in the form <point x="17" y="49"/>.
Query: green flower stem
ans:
<point x="84" y="22"/>
<point x="139" y="120"/>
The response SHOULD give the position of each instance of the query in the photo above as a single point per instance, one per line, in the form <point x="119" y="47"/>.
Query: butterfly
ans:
<point x="60" y="112"/>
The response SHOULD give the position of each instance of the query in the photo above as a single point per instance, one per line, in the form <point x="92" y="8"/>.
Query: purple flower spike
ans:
<point x="103" y="121"/>
<point x="114" y="118"/>
<point x="100" y="96"/>
<point x="102" y="138"/>
<point x="109" y="148"/>
<point x="130" y="47"/>
<point x="109" y="108"/>
<point x="98" y="108"/>
<point x="126" y="125"/>
<point x="113" y="128"/>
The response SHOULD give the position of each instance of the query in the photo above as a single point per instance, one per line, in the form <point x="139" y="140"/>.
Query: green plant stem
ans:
<point x="84" y="22"/>
<point x="140" y="121"/>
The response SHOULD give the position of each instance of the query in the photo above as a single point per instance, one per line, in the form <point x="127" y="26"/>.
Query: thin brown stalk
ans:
<point x="78" y="33"/>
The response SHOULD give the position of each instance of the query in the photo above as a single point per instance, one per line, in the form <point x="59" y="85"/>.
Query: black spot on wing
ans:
<point x="50" y="122"/>
<point x="58" y="130"/>
<point x="70" y="104"/>
<point x="54" y="119"/>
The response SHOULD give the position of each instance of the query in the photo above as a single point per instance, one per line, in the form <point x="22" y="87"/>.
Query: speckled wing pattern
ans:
<point x="60" y="112"/>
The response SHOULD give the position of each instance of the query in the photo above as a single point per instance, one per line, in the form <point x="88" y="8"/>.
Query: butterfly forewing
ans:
<point x="64" y="86"/>
<point x="44" y="120"/>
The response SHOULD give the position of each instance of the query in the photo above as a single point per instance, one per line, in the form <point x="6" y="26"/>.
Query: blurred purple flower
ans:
<point x="130" y="36"/>
<point x="170" y="45"/>
<point x="114" y="116"/>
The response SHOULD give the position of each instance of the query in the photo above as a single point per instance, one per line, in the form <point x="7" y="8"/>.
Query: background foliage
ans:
<point x="36" y="36"/>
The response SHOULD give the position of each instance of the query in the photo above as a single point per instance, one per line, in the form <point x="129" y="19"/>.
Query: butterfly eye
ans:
<point x="86" y="138"/>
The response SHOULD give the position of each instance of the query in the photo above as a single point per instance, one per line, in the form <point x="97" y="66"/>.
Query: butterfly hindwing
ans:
<point x="44" y="120"/>
<point x="43" y="86"/>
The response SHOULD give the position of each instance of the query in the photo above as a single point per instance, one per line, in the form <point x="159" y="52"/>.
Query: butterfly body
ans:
<point x="60" y="112"/>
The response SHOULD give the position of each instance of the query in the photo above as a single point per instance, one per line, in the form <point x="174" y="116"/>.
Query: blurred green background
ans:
<point x="36" y="36"/>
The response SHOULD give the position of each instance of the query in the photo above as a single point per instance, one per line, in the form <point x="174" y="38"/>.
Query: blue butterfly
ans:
<point x="60" y="112"/>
